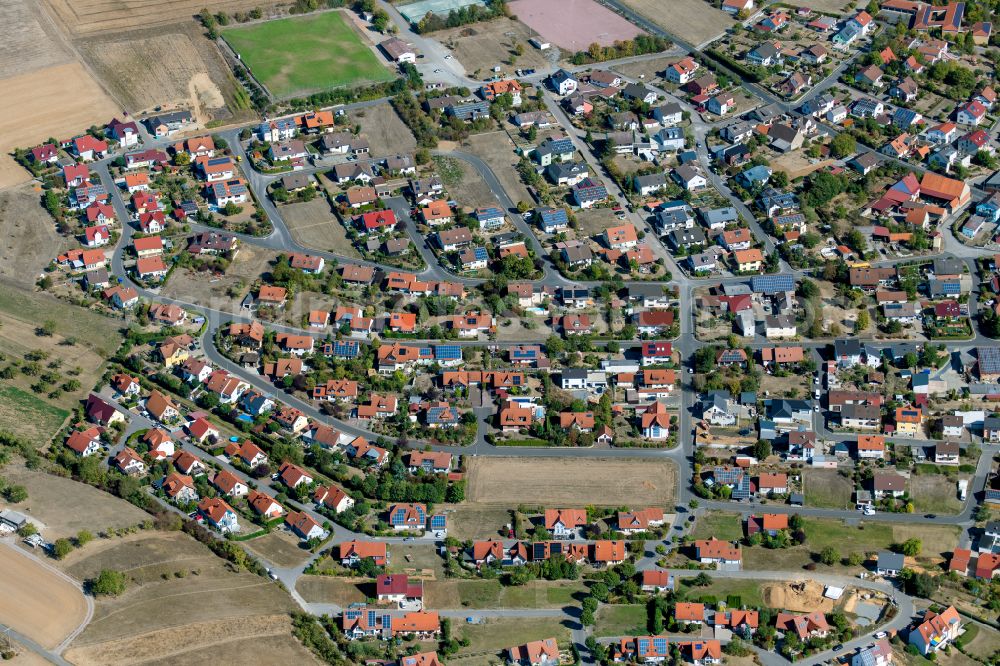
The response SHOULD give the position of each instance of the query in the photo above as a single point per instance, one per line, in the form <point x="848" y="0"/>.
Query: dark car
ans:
<point x="932" y="516"/>
<point x="838" y="647"/>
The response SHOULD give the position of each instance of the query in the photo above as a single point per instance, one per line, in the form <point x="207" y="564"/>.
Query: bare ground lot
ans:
<point x="30" y="238"/>
<point x="796" y="164"/>
<point x="558" y="482"/>
<point x="651" y="68"/>
<point x="593" y="221"/>
<point x="791" y="385"/>
<point x="149" y="68"/>
<point x="198" y="289"/>
<point x="826" y="488"/>
<point x="55" y="501"/>
<point x="574" y="24"/>
<point x="471" y="190"/>
<point x="935" y="492"/>
<point x="279" y="548"/>
<point x="314" y="225"/>
<point x="490" y="594"/>
<point x="36" y="601"/>
<point x="695" y="21"/>
<point x="334" y="590"/>
<point x="496" y="149"/>
<point x="386" y="132"/>
<point x="476" y="522"/>
<point x="176" y="590"/>
<point x="483" y="46"/>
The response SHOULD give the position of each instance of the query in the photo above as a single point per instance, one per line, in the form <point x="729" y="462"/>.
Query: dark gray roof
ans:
<point x="890" y="561"/>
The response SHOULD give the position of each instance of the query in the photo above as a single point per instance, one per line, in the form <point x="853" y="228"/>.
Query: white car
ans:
<point x="879" y="635"/>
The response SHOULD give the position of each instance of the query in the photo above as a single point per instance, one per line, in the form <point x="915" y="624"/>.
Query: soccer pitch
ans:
<point x="304" y="54"/>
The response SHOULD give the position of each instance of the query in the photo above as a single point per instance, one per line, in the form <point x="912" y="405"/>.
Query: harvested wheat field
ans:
<point x="176" y="68"/>
<point x="87" y="17"/>
<point x="59" y="101"/>
<point x="30" y="41"/>
<point x="567" y="482"/>
<point x="801" y="596"/>
<point x="38" y="602"/>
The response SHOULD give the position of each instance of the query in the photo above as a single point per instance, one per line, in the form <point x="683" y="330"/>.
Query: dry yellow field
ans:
<point x="58" y="101"/>
<point x="167" y="68"/>
<point x="262" y="639"/>
<point x="36" y="601"/>
<point x="30" y="240"/>
<point x="569" y="482"/>
<point x="695" y="21"/>
<point x="30" y="41"/>
<point x="53" y="500"/>
<point x="180" y="599"/>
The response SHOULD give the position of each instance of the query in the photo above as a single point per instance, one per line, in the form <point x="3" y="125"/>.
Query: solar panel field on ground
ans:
<point x="300" y="55"/>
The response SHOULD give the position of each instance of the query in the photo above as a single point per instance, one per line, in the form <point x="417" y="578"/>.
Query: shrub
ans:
<point x="108" y="582"/>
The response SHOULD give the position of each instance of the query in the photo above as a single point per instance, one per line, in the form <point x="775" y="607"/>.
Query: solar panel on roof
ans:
<point x="481" y="254"/>
<point x="372" y="615"/>
<point x="556" y="548"/>
<point x="660" y="645"/>
<point x="770" y="284"/>
<point x="387" y="622"/>
<point x="989" y="360"/>
<point x="538" y="551"/>
<point x="453" y="352"/>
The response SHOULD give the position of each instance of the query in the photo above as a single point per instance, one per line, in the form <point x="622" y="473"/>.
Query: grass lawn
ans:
<point x="490" y="594"/>
<point x="725" y="526"/>
<point x="25" y="415"/>
<point x="305" y="54"/>
<point x="827" y="489"/>
<point x="498" y="634"/>
<point x="621" y="620"/>
<point x="747" y="590"/>
<point x="845" y="539"/>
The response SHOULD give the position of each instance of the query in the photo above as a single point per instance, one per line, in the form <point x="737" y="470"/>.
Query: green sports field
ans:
<point x="305" y="54"/>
